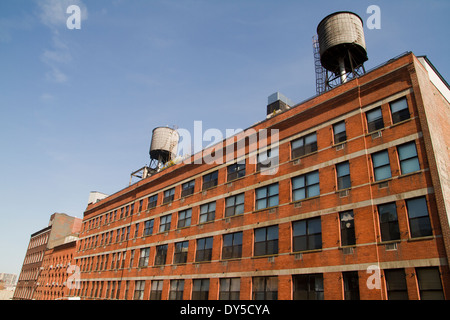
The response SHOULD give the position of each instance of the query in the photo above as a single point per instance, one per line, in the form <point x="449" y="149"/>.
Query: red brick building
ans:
<point x="357" y="207"/>
<point x="56" y="243"/>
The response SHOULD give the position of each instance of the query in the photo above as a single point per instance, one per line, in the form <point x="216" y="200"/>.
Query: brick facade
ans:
<point x="303" y="252"/>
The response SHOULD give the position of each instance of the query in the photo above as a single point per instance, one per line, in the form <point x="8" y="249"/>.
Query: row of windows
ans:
<point x="303" y="286"/>
<point x="303" y="187"/>
<point x="306" y="236"/>
<point x="300" y="147"/>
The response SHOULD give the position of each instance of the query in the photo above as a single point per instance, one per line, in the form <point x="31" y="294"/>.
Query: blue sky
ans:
<point x="77" y="107"/>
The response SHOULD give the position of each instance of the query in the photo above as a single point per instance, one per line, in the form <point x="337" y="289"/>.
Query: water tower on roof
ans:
<point x="339" y="50"/>
<point x="163" y="147"/>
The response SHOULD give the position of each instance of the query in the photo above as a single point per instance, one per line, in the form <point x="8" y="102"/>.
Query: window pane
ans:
<point x="343" y="169"/>
<point x="410" y="165"/>
<point x="314" y="226"/>
<point x="261" y="193"/>
<point x="298" y="182"/>
<point x="407" y="151"/>
<point x="380" y="159"/>
<point x="273" y="189"/>
<point x="260" y="235"/>
<point x="273" y="201"/>
<point x="272" y="233"/>
<point x="299" y="194"/>
<point x="297" y="143"/>
<point x="311" y="139"/>
<point x="313" y="191"/>
<point x="417" y="207"/>
<point x="313" y="177"/>
<point x="339" y="127"/>
<point x="374" y="115"/>
<point x="299" y="228"/>
<point x="399" y="105"/>
<point x="383" y="173"/>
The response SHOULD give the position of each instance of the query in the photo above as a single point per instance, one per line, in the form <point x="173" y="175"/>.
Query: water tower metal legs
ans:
<point x="343" y="73"/>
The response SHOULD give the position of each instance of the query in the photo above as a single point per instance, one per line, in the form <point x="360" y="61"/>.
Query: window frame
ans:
<point x="389" y="223"/>
<point x="165" y="226"/>
<point x="209" y="214"/>
<point x="188" y="188"/>
<point x="236" y="171"/>
<point x="230" y="210"/>
<point x="307" y="186"/>
<point x="161" y="255"/>
<point x="265" y="247"/>
<point x="169" y="195"/>
<point x="184" y="218"/>
<point x="267" y="198"/>
<point x="180" y="252"/>
<point x="377" y="123"/>
<point x="402" y="114"/>
<point x="203" y="252"/>
<point x="382" y="166"/>
<point x="408" y="159"/>
<point x="233" y="251"/>
<point x="347" y="232"/>
<point x="210" y="180"/>
<point x="313" y="283"/>
<point x="341" y="136"/>
<point x="304" y="149"/>
<point x="311" y="243"/>
<point x="422" y="217"/>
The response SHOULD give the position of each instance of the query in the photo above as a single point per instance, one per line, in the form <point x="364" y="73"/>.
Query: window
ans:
<point x="152" y="201"/>
<point x="351" y="285"/>
<point x="388" y="222"/>
<point x="374" y="120"/>
<point x="381" y="166"/>
<point x="229" y="289"/>
<point x="399" y="110"/>
<point x="176" y="289"/>
<point x="200" y="289"/>
<point x="143" y="258"/>
<point x="347" y="228"/>
<point x="136" y="230"/>
<point x="308" y="287"/>
<point x="148" y="227"/>
<point x="419" y="220"/>
<point x="207" y="212"/>
<point x="161" y="254"/>
<point x="307" y="234"/>
<point x="181" y="251"/>
<point x="430" y="285"/>
<point x="184" y="218"/>
<point x="169" y="195"/>
<point x="187" y="188"/>
<point x="343" y="175"/>
<point x="234" y="205"/>
<point x="210" y="180"/>
<point x="266" y="241"/>
<point x="232" y="245"/>
<point x="235" y="171"/>
<point x="164" y="223"/>
<point x="305" y="186"/>
<point x="265" y="288"/>
<point x="267" y="196"/>
<point x="407" y="154"/>
<point x="156" y="290"/>
<point x="396" y="284"/>
<point x="303" y="146"/>
<point x="139" y="288"/>
<point x="267" y="159"/>
<point x="339" y="132"/>
<point x="204" y="249"/>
